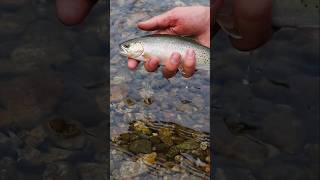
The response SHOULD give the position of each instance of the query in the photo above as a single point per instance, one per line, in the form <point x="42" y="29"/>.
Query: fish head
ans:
<point x="131" y="49"/>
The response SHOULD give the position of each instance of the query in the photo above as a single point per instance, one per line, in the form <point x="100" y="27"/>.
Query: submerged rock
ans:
<point x="29" y="98"/>
<point x="247" y="151"/>
<point x="167" y="144"/>
<point x="149" y="158"/>
<point x="140" y="146"/>
<point x="89" y="171"/>
<point x="139" y="126"/>
<point x="165" y="134"/>
<point x="188" y="145"/>
<point x="67" y="133"/>
<point x="118" y="92"/>
<point x="282" y="129"/>
<point x="59" y="171"/>
<point x="131" y="169"/>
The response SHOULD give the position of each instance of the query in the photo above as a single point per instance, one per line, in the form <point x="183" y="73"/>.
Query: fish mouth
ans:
<point x="123" y="50"/>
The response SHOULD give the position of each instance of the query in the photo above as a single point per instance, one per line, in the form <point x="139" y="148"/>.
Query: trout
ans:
<point x="162" y="46"/>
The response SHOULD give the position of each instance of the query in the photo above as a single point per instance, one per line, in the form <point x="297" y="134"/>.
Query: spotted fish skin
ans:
<point x="162" y="46"/>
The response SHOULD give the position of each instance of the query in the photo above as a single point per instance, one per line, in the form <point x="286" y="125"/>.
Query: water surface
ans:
<point x="139" y="95"/>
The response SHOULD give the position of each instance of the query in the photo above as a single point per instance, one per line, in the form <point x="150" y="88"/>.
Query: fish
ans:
<point x="162" y="46"/>
<point x="285" y="13"/>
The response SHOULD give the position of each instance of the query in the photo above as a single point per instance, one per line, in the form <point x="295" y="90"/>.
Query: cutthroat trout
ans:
<point x="162" y="46"/>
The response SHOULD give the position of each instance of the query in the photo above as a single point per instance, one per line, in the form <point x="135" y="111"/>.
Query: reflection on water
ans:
<point x="52" y="95"/>
<point x="266" y="112"/>
<point x="141" y="95"/>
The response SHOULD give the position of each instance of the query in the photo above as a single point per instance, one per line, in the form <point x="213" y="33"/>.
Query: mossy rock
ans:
<point x="140" y="146"/>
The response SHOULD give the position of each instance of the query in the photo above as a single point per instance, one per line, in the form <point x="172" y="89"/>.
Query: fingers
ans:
<point x="162" y="21"/>
<point x="152" y="64"/>
<point x="189" y="63"/>
<point x="73" y="12"/>
<point x="253" y="20"/>
<point x="172" y="65"/>
<point x="132" y="64"/>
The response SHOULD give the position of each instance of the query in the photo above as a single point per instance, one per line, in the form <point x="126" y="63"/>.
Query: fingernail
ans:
<point x="190" y="54"/>
<point x="175" y="58"/>
<point x="153" y="62"/>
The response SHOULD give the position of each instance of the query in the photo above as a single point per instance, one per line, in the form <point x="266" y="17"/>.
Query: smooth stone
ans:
<point x="118" y="92"/>
<point x="283" y="130"/>
<point x="131" y="169"/>
<point x="247" y="152"/>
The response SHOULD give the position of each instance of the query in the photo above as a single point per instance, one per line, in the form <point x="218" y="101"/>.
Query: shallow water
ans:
<point x="52" y="94"/>
<point x="53" y="98"/>
<point x="267" y="111"/>
<point x="179" y="100"/>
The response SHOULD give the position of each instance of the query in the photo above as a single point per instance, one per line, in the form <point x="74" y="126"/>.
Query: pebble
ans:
<point x="118" y="92"/>
<point x="130" y="169"/>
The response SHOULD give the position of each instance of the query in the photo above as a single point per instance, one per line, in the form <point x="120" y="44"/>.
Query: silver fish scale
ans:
<point x="163" y="46"/>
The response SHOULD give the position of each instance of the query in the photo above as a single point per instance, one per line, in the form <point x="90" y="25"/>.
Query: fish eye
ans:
<point x="126" y="45"/>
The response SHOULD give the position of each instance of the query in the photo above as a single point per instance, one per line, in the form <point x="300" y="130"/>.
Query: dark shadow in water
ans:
<point x="53" y="93"/>
<point x="266" y="108"/>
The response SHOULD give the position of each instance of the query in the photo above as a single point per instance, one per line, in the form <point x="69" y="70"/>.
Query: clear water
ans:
<point x="268" y="107"/>
<point x="53" y="92"/>
<point x="53" y="115"/>
<point x="168" y="96"/>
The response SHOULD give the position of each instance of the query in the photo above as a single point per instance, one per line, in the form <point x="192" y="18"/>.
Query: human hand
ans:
<point x="186" y="21"/>
<point x="72" y="12"/>
<point x="251" y="18"/>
